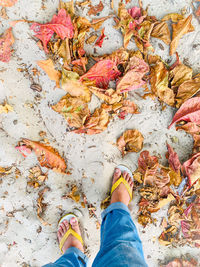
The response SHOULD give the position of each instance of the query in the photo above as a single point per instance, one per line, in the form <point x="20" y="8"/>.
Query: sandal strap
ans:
<point x="118" y="182"/>
<point x="69" y="232"/>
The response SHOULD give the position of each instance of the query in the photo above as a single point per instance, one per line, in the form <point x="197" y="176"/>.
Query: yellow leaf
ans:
<point x="5" y="108"/>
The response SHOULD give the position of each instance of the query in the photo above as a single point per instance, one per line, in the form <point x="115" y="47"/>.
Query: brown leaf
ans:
<point x="42" y="206"/>
<point x="187" y="89"/>
<point x="5" y="171"/>
<point x="108" y="95"/>
<point x="6" y="42"/>
<point x="47" y="156"/>
<point x="91" y="39"/>
<point x="74" y="194"/>
<point x="175" y="17"/>
<point x="74" y="110"/>
<point x="159" y="83"/>
<point x="173" y="159"/>
<point x="37" y="177"/>
<point x="3" y="13"/>
<point x="181" y="28"/>
<point x="49" y="68"/>
<point x="8" y="3"/>
<point x="192" y="168"/>
<point x="179" y="75"/>
<point x="130" y="141"/>
<point x="94" y="10"/>
<point x="161" y="31"/>
<point x="71" y="84"/>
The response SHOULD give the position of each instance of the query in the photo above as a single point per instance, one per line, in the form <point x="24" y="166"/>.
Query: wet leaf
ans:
<point x="94" y="10"/>
<point x="102" y="72"/>
<point x="47" y="156"/>
<point x="61" y="24"/>
<point x="49" y="68"/>
<point x="6" y="42"/>
<point x="130" y="141"/>
<point x="189" y="112"/>
<point x="133" y="78"/>
<point x="71" y="83"/>
<point x="8" y="3"/>
<point x="159" y="83"/>
<point x="5" y="108"/>
<point x="181" y="28"/>
<point x="161" y="31"/>
<point x="74" y="110"/>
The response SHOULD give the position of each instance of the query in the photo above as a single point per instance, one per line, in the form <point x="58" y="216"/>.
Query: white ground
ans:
<point x="88" y="157"/>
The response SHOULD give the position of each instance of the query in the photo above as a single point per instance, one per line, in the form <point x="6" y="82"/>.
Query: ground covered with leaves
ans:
<point x="97" y="82"/>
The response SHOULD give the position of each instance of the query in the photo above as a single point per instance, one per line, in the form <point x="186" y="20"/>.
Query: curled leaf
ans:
<point x="47" y="156"/>
<point x="108" y="95"/>
<point x="130" y="141"/>
<point x="94" y="10"/>
<point x="192" y="168"/>
<point x="189" y="112"/>
<point x="161" y="31"/>
<point x="181" y="28"/>
<point x="175" y="17"/>
<point x="41" y="207"/>
<point x="173" y="159"/>
<point x="6" y="42"/>
<point x="74" y="110"/>
<point x="99" y="41"/>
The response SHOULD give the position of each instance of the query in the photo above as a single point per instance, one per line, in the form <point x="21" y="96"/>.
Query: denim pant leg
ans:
<point x="72" y="257"/>
<point x="120" y="242"/>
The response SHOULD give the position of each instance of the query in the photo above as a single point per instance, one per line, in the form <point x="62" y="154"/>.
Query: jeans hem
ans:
<point x="77" y="252"/>
<point x="115" y="206"/>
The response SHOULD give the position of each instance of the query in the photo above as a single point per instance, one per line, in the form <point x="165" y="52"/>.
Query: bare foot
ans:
<point x="121" y="194"/>
<point x="71" y="241"/>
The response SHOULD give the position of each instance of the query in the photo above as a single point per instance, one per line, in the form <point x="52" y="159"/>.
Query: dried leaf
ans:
<point x="189" y="112"/>
<point x="94" y="10"/>
<point x="173" y="159"/>
<point x="49" y="68"/>
<point x="91" y="39"/>
<point x="5" y="171"/>
<point x="179" y="74"/>
<point x="159" y="83"/>
<point x="133" y="77"/>
<point x="187" y="89"/>
<point x="47" y="156"/>
<point x="74" y="194"/>
<point x="60" y="24"/>
<point x="102" y="72"/>
<point x="181" y="28"/>
<point x="42" y="206"/>
<point x="161" y="31"/>
<point x="5" y="108"/>
<point x="6" y="41"/>
<point x="130" y="141"/>
<point x="36" y="176"/>
<point x="99" y="41"/>
<point x="108" y="95"/>
<point x="181" y="263"/>
<point x="3" y="13"/>
<point x="175" y="17"/>
<point x="74" y="110"/>
<point x="8" y="3"/>
<point x="192" y="168"/>
<point x="71" y="83"/>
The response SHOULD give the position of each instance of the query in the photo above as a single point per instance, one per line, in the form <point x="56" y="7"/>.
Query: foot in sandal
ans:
<point x="71" y="240"/>
<point x="121" y="194"/>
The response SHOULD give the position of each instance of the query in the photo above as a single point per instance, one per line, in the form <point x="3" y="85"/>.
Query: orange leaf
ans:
<point x="47" y="156"/>
<point x="8" y="3"/>
<point x="6" y="41"/>
<point x="48" y="67"/>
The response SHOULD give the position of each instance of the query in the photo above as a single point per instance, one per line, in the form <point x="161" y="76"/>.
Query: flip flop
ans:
<point x="122" y="180"/>
<point x="68" y="217"/>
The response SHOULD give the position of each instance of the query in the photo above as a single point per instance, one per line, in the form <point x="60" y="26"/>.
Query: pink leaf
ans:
<point x="192" y="169"/>
<point x="25" y="151"/>
<point x="173" y="159"/>
<point x="99" y="41"/>
<point x="189" y="111"/>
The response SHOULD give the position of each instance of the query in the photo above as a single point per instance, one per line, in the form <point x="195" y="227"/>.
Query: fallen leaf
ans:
<point x="49" y="68"/>
<point x="178" y="30"/>
<point x="94" y="10"/>
<point x="5" y="108"/>
<point x="3" y="13"/>
<point x="97" y="23"/>
<point x="41" y="207"/>
<point x="173" y="159"/>
<point x="102" y="72"/>
<point x="133" y="78"/>
<point x="130" y="141"/>
<point x="181" y="263"/>
<point x="91" y="39"/>
<point x="179" y="74"/>
<point x="47" y="156"/>
<point x="71" y="83"/>
<point x="188" y="112"/>
<point x="36" y="177"/>
<point x="159" y="83"/>
<point x="6" y="42"/>
<point x="74" y="110"/>
<point x="5" y="171"/>
<point x="175" y="17"/>
<point x="74" y="194"/>
<point x="61" y="24"/>
<point x="192" y="168"/>
<point x="187" y="89"/>
<point x="99" y="41"/>
<point x="161" y="31"/>
<point x="8" y="3"/>
<point x="108" y="95"/>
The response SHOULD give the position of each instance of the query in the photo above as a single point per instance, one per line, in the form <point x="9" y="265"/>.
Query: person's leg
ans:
<point x="73" y="249"/>
<point x="120" y="242"/>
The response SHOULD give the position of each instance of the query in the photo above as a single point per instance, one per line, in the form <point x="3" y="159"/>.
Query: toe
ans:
<point x="59" y="234"/>
<point x="61" y="229"/>
<point x="66" y="225"/>
<point x="74" y="224"/>
<point x="116" y="175"/>
<point x="125" y="175"/>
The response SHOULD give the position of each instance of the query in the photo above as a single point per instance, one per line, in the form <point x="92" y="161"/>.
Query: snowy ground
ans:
<point x="91" y="159"/>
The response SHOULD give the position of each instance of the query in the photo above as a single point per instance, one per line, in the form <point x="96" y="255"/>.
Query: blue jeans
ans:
<point x="120" y="243"/>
